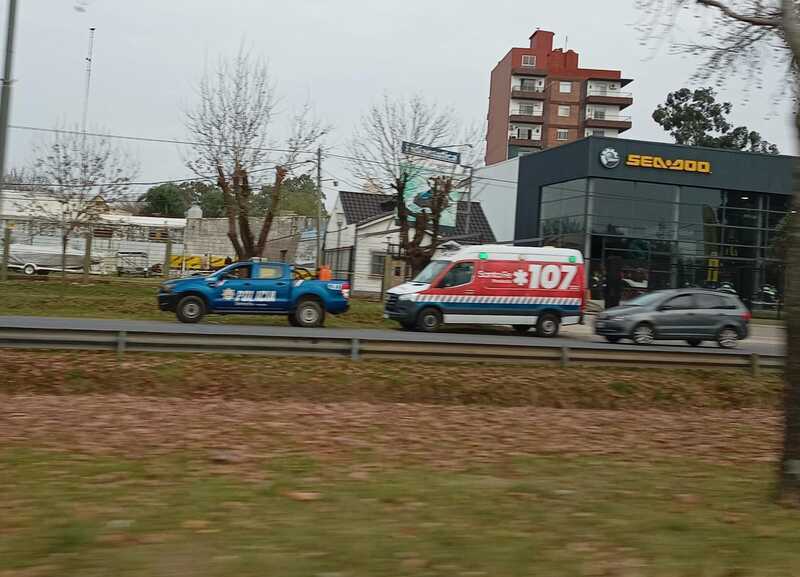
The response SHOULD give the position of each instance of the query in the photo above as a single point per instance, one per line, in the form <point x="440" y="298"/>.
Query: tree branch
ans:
<point x="770" y="22"/>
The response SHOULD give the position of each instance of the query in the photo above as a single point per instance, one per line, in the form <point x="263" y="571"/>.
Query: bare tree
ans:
<point x="74" y="179"/>
<point x="376" y="149"/>
<point x="753" y="34"/>
<point x="232" y="126"/>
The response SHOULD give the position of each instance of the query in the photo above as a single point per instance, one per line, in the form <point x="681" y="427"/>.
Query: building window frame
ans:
<point x="377" y="262"/>
<point x="562" y="134"/>
<point x="564" y="110"/>
<point x="565" y="87"/>
<point x="529" y="60"/>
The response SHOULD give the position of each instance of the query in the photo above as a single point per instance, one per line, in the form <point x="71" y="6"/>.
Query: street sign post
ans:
<point x="431" y="152"/>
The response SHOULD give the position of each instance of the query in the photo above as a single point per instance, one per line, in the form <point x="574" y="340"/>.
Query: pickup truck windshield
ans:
<point x="430" y="272"/>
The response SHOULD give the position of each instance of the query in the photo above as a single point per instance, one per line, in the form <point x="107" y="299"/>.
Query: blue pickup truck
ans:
<point x="256" y="287"/>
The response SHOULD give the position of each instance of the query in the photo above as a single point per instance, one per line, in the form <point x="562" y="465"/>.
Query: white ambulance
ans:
<point x="525" y="287"/>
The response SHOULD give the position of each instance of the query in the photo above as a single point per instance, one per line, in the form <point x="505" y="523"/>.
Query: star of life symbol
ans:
<point x="228" y="294"/>
<point x="520" y="277"/>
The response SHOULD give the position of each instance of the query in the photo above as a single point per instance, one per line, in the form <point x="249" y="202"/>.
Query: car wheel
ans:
<point x="695" y="342"/>
<point x="309" y="314"/>
<point x="521" y="329"/>
<point x="613" y="340"/>
<point x="190" y="309"/>
<point x="548" y="325"/>
<point x="429" y="320"/>
<point x="29" y="269"/>
<point x="728" y="338"/>
<point x="644" y="334"/>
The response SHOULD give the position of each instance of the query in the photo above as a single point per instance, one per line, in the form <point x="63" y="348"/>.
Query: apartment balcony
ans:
<point x="528" y="71"/>
<point x="527" y="143"/>
<point x="621" y="99"/>
<point x="530" y="93"/>
<point x="621" y="123"/>
<point x="518" y="117"/>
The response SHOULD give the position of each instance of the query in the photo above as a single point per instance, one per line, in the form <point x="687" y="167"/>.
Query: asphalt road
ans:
<point x="765" y="339"/>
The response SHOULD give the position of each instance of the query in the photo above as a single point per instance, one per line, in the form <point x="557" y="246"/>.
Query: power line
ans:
<point x="258" y="148"/>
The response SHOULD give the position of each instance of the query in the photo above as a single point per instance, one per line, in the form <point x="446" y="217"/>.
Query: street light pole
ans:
<point x="318" y="260"/>
<point x="5" y="96"/>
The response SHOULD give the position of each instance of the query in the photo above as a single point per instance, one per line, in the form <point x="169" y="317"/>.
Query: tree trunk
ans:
<point x="789" y="486"/>
<point x="230" y="213"/>
<point x="280" y="176"/>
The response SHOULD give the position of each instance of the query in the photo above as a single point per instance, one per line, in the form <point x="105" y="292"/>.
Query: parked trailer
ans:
<point x="33" y="260"/>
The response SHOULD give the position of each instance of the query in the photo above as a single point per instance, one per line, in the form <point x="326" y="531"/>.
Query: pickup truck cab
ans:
<point x="256" y="287"/>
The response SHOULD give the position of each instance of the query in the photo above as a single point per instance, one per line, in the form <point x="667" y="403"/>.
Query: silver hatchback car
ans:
<point x="691" y="315"/>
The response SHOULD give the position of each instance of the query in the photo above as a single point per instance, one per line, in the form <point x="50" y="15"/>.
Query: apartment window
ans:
<point x="565" y="87"/>
<point x="529" y="60"/>
<point x="527" y="109"/>
<point x="598" y="132"/>
<point x="529" y="85"/>
<point x="562" y="134"/>
<point x="563" y="110"/>
<point x="376" y="263"/>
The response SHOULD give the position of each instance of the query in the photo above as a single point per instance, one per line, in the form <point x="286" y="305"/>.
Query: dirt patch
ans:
<point x="441" y="436"/>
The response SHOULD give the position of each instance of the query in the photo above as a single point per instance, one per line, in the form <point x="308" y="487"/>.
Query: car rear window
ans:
<point x="708" y="301"/>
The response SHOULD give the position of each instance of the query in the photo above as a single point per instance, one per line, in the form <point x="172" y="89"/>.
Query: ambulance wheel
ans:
<point x="429" y="320"/>
<point x="190" y="309"/>
<point x="521" y="329"/>
<point x="548" y="325"/>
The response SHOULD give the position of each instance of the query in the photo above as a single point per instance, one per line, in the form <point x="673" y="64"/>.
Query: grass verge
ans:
<point x="136" y="299"/>
<point x="67" y="514"/>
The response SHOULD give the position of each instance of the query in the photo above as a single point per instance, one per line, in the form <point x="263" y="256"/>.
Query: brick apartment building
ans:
<point x="539" y="98"/>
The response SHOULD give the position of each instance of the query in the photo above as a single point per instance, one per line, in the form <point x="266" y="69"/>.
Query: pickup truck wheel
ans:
<point x="190" y="309"/>
<point x="309" y="314"/>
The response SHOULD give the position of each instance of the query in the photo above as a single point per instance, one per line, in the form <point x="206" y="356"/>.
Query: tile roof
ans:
<point x="360" y="207"/>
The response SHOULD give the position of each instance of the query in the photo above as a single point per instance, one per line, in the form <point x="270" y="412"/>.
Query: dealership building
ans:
<point x="665" y="216"/>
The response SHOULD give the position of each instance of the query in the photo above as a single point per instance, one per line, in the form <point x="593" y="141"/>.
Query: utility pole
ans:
<point x="88" y="82"/>
<point x="469" y="200"/>
<point x="318" y="260"/>
<point x="5" y="96"/>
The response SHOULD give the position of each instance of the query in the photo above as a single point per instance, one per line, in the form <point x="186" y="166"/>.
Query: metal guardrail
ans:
<point x="379" y="347"/>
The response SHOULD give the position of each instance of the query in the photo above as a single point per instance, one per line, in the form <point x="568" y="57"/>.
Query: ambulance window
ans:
<point x="460" y="274"/>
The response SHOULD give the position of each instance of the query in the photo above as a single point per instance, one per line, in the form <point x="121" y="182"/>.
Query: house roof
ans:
<point x="363" y="207"/>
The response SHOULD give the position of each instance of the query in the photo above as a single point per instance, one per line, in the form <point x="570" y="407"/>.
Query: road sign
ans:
<point x="430" y="152"/>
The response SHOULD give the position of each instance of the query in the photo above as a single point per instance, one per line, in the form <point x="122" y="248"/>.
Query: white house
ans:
<point x="362" y="231"/>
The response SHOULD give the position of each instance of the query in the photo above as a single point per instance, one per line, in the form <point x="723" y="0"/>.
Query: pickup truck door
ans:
<point x="230" y="288"/>
<point x="272" y="284"/>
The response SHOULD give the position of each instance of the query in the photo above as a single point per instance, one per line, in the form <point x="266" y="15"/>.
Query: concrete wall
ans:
<point x="210" y="236"/>
<point x="495" y="187"/>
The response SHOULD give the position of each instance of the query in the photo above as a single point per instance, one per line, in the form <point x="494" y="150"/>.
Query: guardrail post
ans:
<point x="564" y="357"/>
<point x="355" y="352"/>
<point x="122" y="336"/>
<point x="755" y="364"/>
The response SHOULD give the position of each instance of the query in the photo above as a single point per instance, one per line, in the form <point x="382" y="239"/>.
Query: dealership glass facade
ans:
<point x="668" y="235"/>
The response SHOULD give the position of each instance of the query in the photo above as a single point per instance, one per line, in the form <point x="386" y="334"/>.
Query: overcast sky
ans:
<point x="343" y="54"/>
